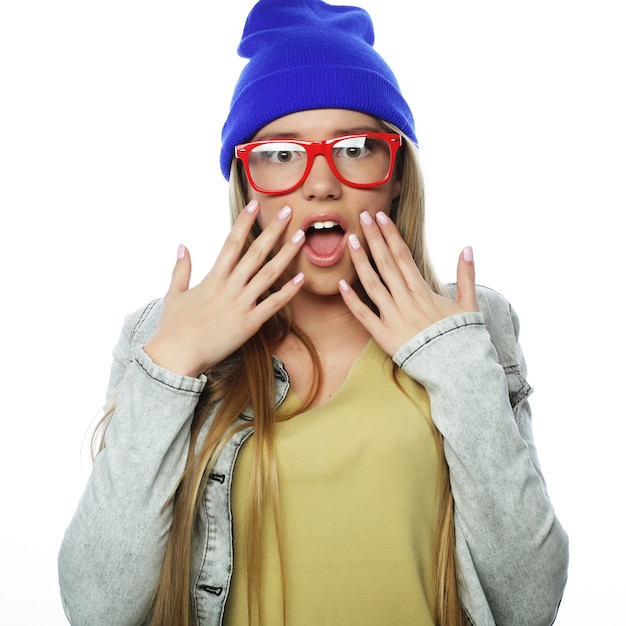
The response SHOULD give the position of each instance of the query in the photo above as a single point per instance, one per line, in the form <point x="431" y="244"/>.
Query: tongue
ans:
<point x="324" y="242"/>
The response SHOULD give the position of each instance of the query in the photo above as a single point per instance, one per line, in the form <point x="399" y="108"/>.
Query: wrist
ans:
<point x="172" y="358"/>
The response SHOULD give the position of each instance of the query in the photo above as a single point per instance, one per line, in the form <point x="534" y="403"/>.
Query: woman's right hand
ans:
<point x="201" y="326"/>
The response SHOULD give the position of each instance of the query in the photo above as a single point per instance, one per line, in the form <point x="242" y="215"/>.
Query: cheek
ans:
<point x="267" y="214"/>
<point x="267" y="211"/>
<point x="386" y="197"/>
<point x="263" y="219"/>
<point x="270" y="207"/>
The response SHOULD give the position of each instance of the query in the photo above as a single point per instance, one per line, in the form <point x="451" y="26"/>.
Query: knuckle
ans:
<point x="403" y="254"/>
<point x="257" y="252"/>
<point x="371" y="283"/>
<point x="385" y="261"/>
<point x="361" y="313"/>
<point x="268" y="273"/>
<point x="233" y="242"/>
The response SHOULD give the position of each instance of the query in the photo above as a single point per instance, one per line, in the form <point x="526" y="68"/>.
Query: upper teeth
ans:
<point x="321" y="225"/>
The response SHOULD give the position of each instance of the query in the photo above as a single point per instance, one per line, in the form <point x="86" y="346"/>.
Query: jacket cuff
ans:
<point x="167" y="378"/>
<point x="444" y="328"/>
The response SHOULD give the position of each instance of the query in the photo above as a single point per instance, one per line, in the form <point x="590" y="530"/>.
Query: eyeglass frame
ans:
<point x="315" y="148"/>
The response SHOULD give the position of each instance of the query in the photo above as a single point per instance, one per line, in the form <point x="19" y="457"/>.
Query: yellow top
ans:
<point x="359" y="501"/>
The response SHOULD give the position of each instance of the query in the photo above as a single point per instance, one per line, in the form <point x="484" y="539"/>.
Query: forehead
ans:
<point x="319" y="124"/>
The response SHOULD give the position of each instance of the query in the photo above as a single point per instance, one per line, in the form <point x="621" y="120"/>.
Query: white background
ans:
<point x="110" y="120"/>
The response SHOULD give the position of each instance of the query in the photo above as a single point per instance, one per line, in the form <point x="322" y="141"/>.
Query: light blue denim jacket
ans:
<point x="512" y="551"/>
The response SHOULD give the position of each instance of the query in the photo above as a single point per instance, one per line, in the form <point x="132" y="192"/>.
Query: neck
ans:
<point x="338" y="338"/>
<point x="327" y="322"/>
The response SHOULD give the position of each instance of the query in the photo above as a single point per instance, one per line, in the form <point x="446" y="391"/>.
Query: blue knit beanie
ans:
<point x="307" y="54"/>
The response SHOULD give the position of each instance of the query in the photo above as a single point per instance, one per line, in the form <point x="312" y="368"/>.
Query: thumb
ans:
<point x="181" y="274"/>
<point x="466" y="280"/>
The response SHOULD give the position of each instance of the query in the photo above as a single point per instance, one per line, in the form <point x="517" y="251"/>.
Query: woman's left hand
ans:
<point x="406" y="303"/>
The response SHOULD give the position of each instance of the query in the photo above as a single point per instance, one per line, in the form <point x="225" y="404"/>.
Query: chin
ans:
<point x="322" y="290"/>
<point x="326" y="285"/>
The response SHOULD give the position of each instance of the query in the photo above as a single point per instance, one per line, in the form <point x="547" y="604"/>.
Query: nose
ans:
<point x="321" y="183"/>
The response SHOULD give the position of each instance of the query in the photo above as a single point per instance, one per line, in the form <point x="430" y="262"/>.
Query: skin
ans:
<point x="322" y="194"/>
<point x="200" y="326"/>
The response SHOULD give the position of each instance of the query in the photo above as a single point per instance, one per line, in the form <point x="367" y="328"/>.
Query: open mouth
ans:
<point x="323" y="238"/>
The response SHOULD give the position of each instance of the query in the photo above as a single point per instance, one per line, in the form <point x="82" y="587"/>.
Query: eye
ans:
<point x="352" y="148"/>
<point x="354" y="153"/>
<point x="278" y="152"/>
<point x="283" y="156"/>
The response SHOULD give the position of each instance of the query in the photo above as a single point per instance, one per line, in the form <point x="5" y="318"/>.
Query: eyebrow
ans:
<point x="336" y="133"/>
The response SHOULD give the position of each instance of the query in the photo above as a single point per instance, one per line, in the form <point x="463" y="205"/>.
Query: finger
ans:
<point x="273" y="269"/>
<point x="379" y="249"/>
<point x="263" y="245"/>
<point x="369" y="279"/>
<point x="276" y="301"/>
<point x="403" y="259"/>
<point x="233" y="245"/>
<point x="181" y="274"/>
<point x="466" y="280"/>
<point x="261" y="248"/>
<point x="391" y="256"/>
<point x="360" y="310"/>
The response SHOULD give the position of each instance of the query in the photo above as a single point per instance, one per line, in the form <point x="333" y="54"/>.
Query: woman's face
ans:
<point x="325" y="208"/>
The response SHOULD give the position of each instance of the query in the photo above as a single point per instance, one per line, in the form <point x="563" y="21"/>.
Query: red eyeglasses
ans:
<point x="278" y="166"/>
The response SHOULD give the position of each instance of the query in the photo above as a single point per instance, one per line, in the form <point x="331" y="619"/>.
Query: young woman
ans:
<point x="318" y="433"/>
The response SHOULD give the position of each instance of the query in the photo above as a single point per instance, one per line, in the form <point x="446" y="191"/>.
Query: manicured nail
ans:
<point x="181" y="251"/>
<point x="298" y="236"/>
<point x="343" y="285"/>
<point x="366" y="218"/>
<point x="298" y="278"/>
<point x="284" y="213"/>
<point x="354" y="242"/>
<point x="382" y="218"/>
<point x="252" y="206"/>
<point x="468" y="254"/>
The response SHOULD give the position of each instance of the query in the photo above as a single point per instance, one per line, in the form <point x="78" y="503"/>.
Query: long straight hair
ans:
<point x="246" y="379"/>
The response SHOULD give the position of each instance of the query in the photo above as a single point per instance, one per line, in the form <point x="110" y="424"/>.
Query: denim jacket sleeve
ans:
<point x="113" y="548"/>
<point x="512" y="553"/>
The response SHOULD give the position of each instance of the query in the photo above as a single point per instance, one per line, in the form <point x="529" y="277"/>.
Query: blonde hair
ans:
<point x="247" y="379"/>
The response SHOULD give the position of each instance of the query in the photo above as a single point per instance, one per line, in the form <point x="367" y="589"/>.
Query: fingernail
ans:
<point x="343" y="285"/>
<point x="284" y="213"/>
<point x="468" y="254"/>
<point x="355" y="244"/>
<point x="252" y="206"/>
<point x="366" y="218"/>
<point x="181" y="251"/>
<point x="298" y="278"/>
<point x="382" y="218"/>
<point x="298" y="236"/>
